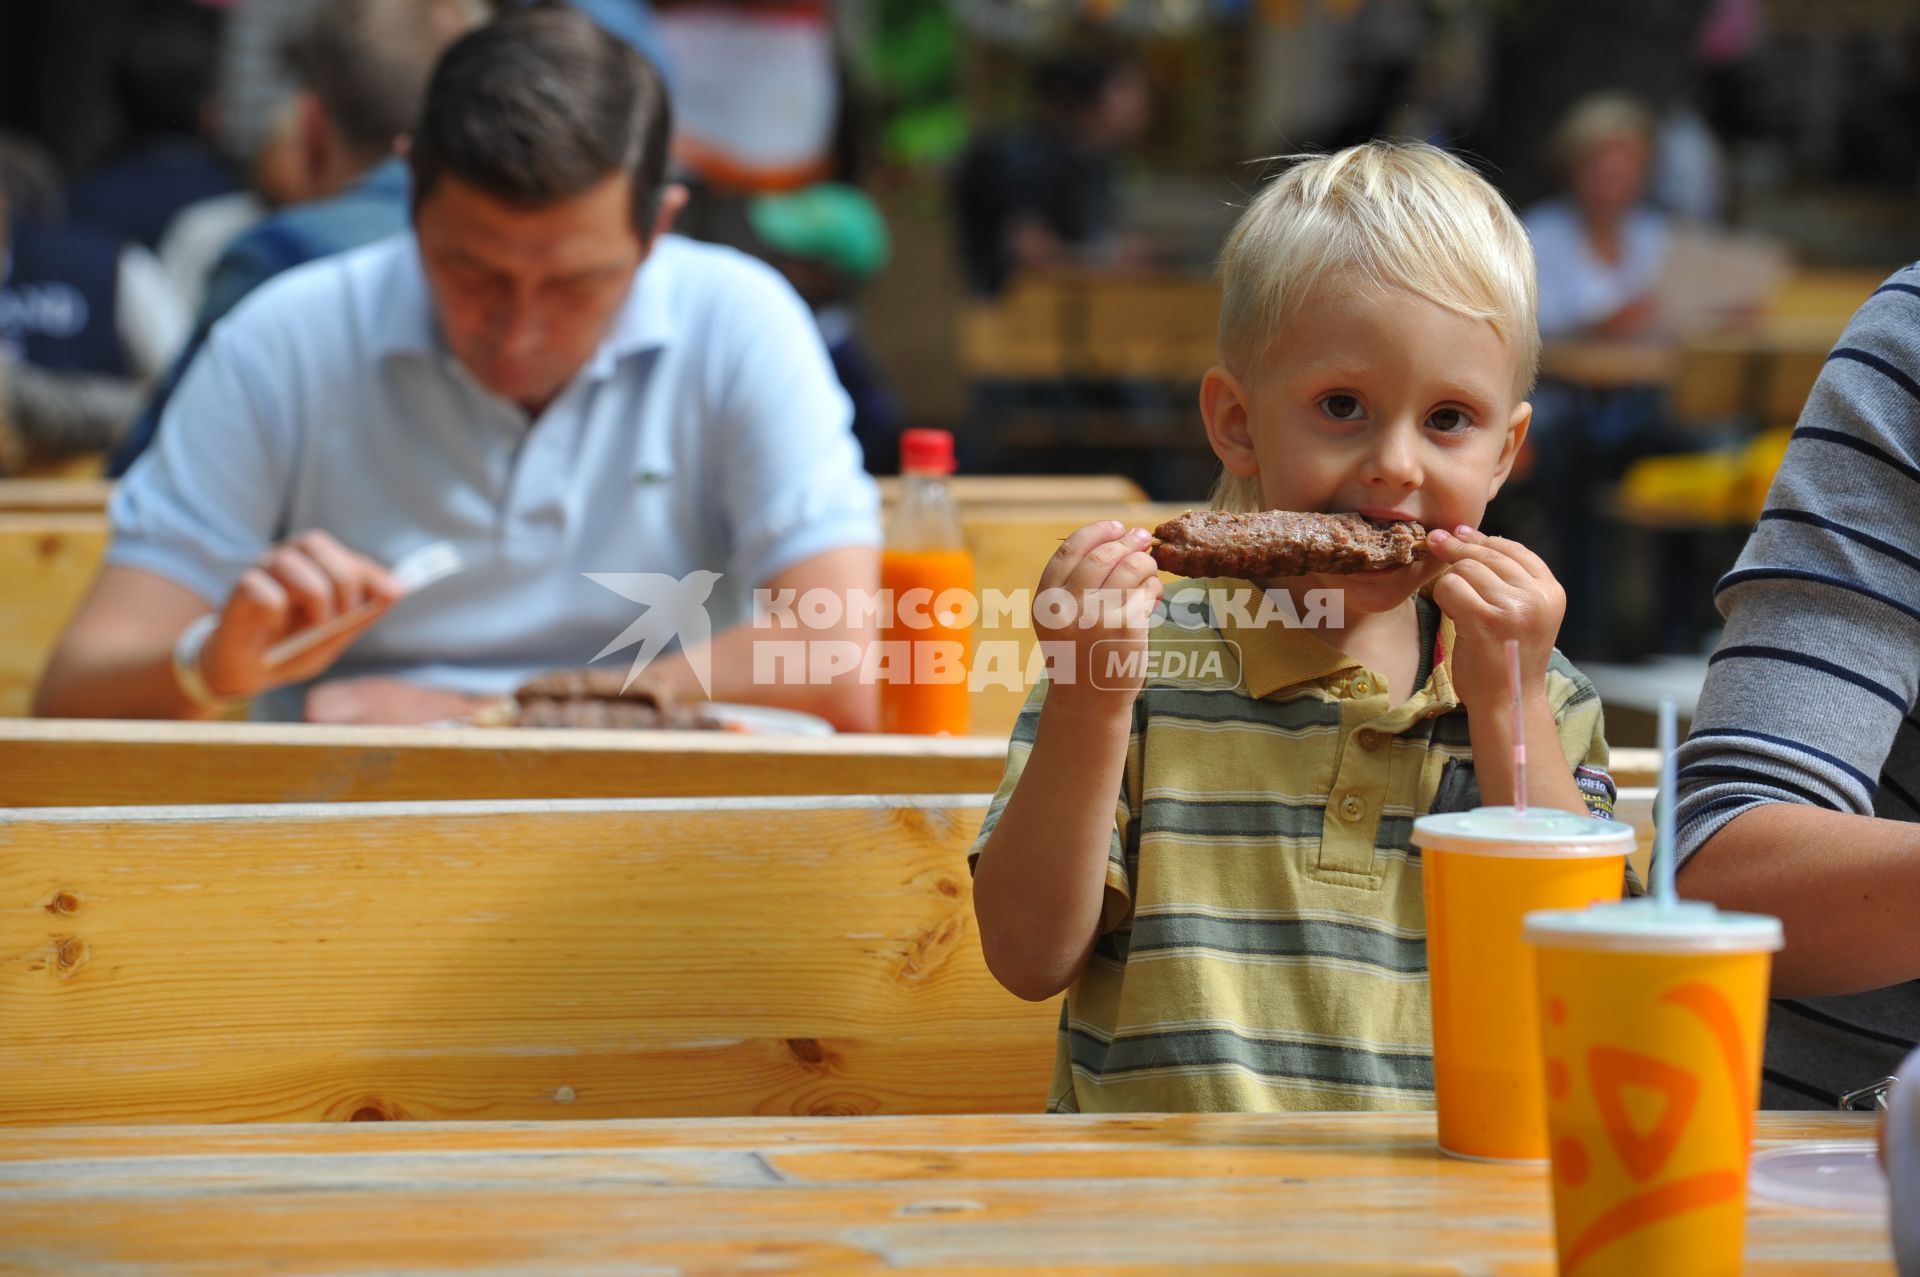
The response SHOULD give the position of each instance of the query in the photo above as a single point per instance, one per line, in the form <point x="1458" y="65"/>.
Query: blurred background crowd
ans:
<point x="1004" y="214"/>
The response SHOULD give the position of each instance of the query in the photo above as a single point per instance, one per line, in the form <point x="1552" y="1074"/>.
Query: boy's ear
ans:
<point x="1223" y="406"/>
<point x="1517" y="427"/>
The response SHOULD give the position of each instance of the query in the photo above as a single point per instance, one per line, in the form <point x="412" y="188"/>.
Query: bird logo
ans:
<point x="673" y="608"/>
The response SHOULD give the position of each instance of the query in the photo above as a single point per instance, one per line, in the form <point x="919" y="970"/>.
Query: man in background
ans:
<point x="364" y="65"/>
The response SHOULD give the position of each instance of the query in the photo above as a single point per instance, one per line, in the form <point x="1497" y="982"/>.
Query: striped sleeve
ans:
<point x="1810" y="688"/>
<point x="1123" y="846"/>
<point x="1583" y="733"/>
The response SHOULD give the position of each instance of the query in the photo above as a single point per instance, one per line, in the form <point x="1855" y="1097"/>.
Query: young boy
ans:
<point x="1218" y="869"/>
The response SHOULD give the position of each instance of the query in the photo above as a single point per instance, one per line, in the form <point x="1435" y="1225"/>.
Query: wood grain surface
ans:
<point x="503" y="960"/>
<point x="80" y="762"/>
<point x="1220" y="1194"/>
<point x="47" y="561"/>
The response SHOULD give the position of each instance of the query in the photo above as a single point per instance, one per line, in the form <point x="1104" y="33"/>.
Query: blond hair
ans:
<point x="1403" y="215"/>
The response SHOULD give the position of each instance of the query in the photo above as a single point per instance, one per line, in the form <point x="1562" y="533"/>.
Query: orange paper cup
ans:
<point x="1484" y="871"/>
<point x="1652" y="1020"/>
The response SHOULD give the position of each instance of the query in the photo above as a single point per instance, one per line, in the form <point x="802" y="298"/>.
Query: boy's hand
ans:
<point x="1496" y="590"/>
<point x="1107" y="585"/>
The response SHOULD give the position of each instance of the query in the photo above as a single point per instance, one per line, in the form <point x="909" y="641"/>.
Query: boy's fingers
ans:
<point x="1075" y="547"/>
<point x="1092" y="571"/>
<point x="1526" y="558"/>
<point x="1472" y="547"/>
<point x="1477" y="580"/>
<point x="1130" y="571"/>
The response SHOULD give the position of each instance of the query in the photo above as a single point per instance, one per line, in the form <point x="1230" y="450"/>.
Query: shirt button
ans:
<point x="1368" y="738"/>
<point x="1362" y="688"/>
<point x="1352" y="808"/>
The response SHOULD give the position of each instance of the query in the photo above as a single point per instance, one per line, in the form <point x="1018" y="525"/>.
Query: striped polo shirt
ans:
<point x="1263" y="940"/>
<point x="1810" y="698"/>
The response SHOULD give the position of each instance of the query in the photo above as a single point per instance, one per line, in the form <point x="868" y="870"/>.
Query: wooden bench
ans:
<point x="81" y="762"/>
<point x="69" y="762"/>
<point x="41" y="496"/>
<point x="993" y="490"/>
<point x="651" y="957"/>
<point x="47" y="562"/>
<point x="572" y="959"/>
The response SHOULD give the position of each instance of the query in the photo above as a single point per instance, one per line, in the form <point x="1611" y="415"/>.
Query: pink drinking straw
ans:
<point x="1519" y="730"/>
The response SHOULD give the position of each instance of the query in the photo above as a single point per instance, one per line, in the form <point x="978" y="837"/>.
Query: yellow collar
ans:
<point x="1276" y="657"/>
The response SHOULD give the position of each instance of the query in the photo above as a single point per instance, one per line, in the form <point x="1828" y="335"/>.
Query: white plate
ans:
<point x="763" y="720"/>
<point x="1842" y="1175"/>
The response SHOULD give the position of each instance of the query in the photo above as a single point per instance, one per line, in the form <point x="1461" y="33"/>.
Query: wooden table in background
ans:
<point x="1217" y="1194"/>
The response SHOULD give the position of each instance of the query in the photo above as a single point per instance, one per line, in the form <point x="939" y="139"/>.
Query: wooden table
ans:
<point x="1215" y="1194"/>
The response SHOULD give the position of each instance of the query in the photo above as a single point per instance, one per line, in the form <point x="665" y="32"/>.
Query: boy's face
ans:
<point x="1379" y="402"/>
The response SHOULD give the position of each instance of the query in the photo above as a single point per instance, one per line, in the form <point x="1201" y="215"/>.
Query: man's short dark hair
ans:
<point x="541" y="106"/>
<point x="368" y="61"/>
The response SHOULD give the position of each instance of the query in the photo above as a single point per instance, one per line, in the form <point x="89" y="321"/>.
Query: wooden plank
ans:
<point x="1634" y="766"/>
<point x="42" y="496"/>
<point x="505" y="960"/>
<point x="1030" y="489"/>
<point x="78" y="466"/>
<point x="1160" y="328"/>
<point x="1605" y="364"/>
<point x="1199" y="1193"/>
<point x="57" y="763"/>
<point x="1635" y="807"/>
<point x="47" y="562"/>
<point x="1024" y="334"/>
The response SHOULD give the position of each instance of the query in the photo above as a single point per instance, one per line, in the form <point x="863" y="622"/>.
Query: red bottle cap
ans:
<point x="926" y="451"/>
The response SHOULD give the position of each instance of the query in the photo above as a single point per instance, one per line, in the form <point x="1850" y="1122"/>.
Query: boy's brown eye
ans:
<point x="1448" y="420"/>
<point x="1341" y="407"/>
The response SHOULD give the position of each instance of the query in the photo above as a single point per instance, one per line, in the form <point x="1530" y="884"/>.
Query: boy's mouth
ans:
<point x="1380" y="514"/>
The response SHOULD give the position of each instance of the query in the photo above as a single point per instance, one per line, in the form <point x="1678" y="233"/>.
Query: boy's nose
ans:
<point x="1394" y="460"/>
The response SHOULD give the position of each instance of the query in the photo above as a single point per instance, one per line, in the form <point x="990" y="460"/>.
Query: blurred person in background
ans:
<point x="1599" y="250"/>
<point x="86" y="323"/>
<point x="1045" y="194"/>
<point x="1599" y="247"/>
<point x="255" y="78"/>
<point x="364" y="67"/>
<point x="828" y="239"/>
<point x="164" y="78"/>
<point x="202" y="231"/>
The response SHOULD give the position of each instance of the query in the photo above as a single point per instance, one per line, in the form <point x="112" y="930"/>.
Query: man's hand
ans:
<point x="301" y="583"/>
<point x="1495" y="590"/>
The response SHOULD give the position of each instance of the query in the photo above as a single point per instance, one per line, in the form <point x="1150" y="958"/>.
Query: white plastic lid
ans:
<point x="1539" y="831"/>
<point x="1843" y="1176"/>
<point x="1647" y="926"/>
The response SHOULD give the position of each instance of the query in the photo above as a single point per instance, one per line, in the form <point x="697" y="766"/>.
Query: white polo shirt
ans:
<point x="707" y="431"/>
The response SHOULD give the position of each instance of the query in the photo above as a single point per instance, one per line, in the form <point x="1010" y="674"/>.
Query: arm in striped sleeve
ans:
<point x="1808" y="696"/>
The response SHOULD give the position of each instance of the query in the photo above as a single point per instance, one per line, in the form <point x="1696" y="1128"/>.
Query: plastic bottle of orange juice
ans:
<point x="927" y="572"/>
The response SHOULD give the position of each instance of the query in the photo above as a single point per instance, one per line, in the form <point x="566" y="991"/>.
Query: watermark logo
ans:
<point x="1116" y="664"/>
<point x="675" y="608"/>
<point x="942" y="638"/>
